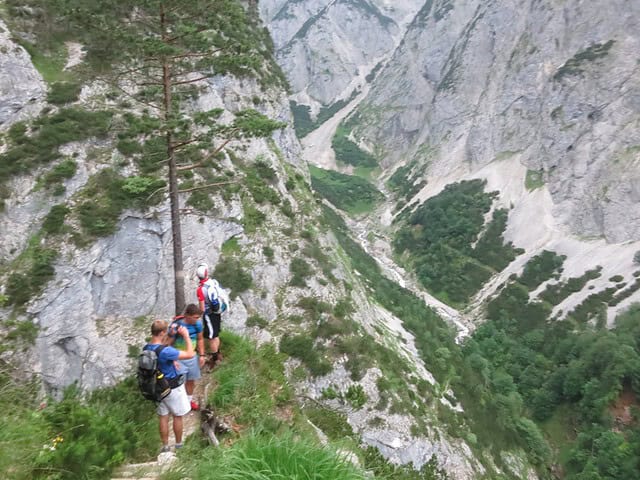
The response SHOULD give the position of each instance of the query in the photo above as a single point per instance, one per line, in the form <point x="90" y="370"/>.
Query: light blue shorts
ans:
<point x="190" y="368"/>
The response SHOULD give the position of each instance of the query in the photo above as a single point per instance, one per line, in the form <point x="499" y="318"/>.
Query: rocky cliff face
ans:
<point x="21" y="86"/>
<point x="327" y="47"/>
<point x="553" y="86"/>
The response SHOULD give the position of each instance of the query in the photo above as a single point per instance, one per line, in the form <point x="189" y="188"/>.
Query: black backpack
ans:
<point x="152" y="382"/>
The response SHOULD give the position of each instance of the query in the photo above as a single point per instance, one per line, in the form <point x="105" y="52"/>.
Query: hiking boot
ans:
<point x="165" y="449"/>
<point x="194" y="405"/>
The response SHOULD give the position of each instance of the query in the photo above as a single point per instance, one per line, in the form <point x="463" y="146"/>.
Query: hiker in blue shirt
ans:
<point x="176" y="403"/>
<point x="190" y="367"/>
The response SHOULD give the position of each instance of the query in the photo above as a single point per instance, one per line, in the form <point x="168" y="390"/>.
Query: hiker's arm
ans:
<point x="200" y="344"/>
<point x="189" y="352"/>
<point x="170" y="337"/>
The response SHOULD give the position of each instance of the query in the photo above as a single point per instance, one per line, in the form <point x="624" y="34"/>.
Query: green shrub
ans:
<point x="347" y="192"/>
<point x="348" y="152"/>
<point x="201" y="200"/>
<point x="61" y="93"/>
<point x="333" y="424"/>
<point x="113" y="425"/>
<point x="355" y="396"/>
<point x="302" y="347"/>
<point x="22" y="287"/>
<point x="63" y="171"/>
<point x="301" y="270"/>
<point x="231" y="274"/>
<point x="541" y="268"/>
<point x="54" y="221"/>
<point x="313" y="307"/>
<point x="49" y="132"/>
<point x="256" y="320"/>
<point x="252" y="218"/>
<point x="107" y="194"/>
<point x="268" y="253"/>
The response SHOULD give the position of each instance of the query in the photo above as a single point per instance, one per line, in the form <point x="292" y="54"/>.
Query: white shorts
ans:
<point x="176" y="403"/>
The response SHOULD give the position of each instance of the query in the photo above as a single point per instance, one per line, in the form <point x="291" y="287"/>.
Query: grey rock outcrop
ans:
<point x="554" y="85"/>
<point x="327" y="47"/>
<point x="21" y="86"/>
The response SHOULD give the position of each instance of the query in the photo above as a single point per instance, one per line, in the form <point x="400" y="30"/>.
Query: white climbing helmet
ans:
<point x="202" y="271"/>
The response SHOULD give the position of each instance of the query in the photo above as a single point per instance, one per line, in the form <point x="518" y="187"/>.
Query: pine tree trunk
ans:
<point x="174" y="200"/>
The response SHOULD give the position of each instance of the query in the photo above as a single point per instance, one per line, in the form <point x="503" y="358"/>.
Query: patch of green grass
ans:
<point x="347" y="192"/>
<point x="49" y="63"/>
<point x="251" y="385"/>
<point x="534" y="180"/>
<point x="286" y="456"/>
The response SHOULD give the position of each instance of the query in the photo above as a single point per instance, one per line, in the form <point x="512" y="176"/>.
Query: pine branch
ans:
<point x="201" y="187"/>
<point x="182" y="168"/>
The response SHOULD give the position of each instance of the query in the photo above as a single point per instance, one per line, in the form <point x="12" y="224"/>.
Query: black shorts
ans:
<point x="211" y="324"/>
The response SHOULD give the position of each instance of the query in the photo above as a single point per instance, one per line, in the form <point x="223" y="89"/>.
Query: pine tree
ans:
<point x="162" y="53"/>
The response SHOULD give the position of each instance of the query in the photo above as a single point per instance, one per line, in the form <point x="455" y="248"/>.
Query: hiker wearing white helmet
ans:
<point x="213" y="301"/>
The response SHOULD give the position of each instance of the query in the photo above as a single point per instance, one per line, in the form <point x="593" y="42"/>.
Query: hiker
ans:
<point x="191" y="367"/>
<point x="212" y="310"/>
<point x="176" y="403"/>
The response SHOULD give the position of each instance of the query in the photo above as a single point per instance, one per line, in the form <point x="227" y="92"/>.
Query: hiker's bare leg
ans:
<point x="164" y="429"/>
<point x="189" y="386"/>
<point x="177" y="429"/>
<point x="214" y="344"/>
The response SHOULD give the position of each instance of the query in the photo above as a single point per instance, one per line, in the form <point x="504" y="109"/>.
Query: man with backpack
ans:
<point x="175" y="403"/>
<point x="213" y="301"/>
<point x="191" y="321"/>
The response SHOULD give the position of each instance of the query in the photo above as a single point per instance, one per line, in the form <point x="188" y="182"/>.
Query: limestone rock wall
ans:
<point x="555" y="84"/>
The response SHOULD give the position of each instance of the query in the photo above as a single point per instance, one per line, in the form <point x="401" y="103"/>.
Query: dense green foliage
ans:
<point x="348" y="152"/>
<point x="231" y="274"/>
<point x="72" y="438"/>
<point x="542" y="368"/>
<point x="347" y="192"/>
<point x="302" y="122"/>
<point x="439" y="236"/>
<point x="107" y="194"/>
<point x="541" y="268"/>
<point x="36" y="270"/>
<point x="405" y="182"/>
<point x="38" y="145"/>
<point x="555" y="293"/>
<point x="303" y="348"/>
<point x="63" y="92"/>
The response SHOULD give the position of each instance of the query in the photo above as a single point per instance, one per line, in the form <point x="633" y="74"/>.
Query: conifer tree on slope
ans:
<point x="161" y="52"/>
